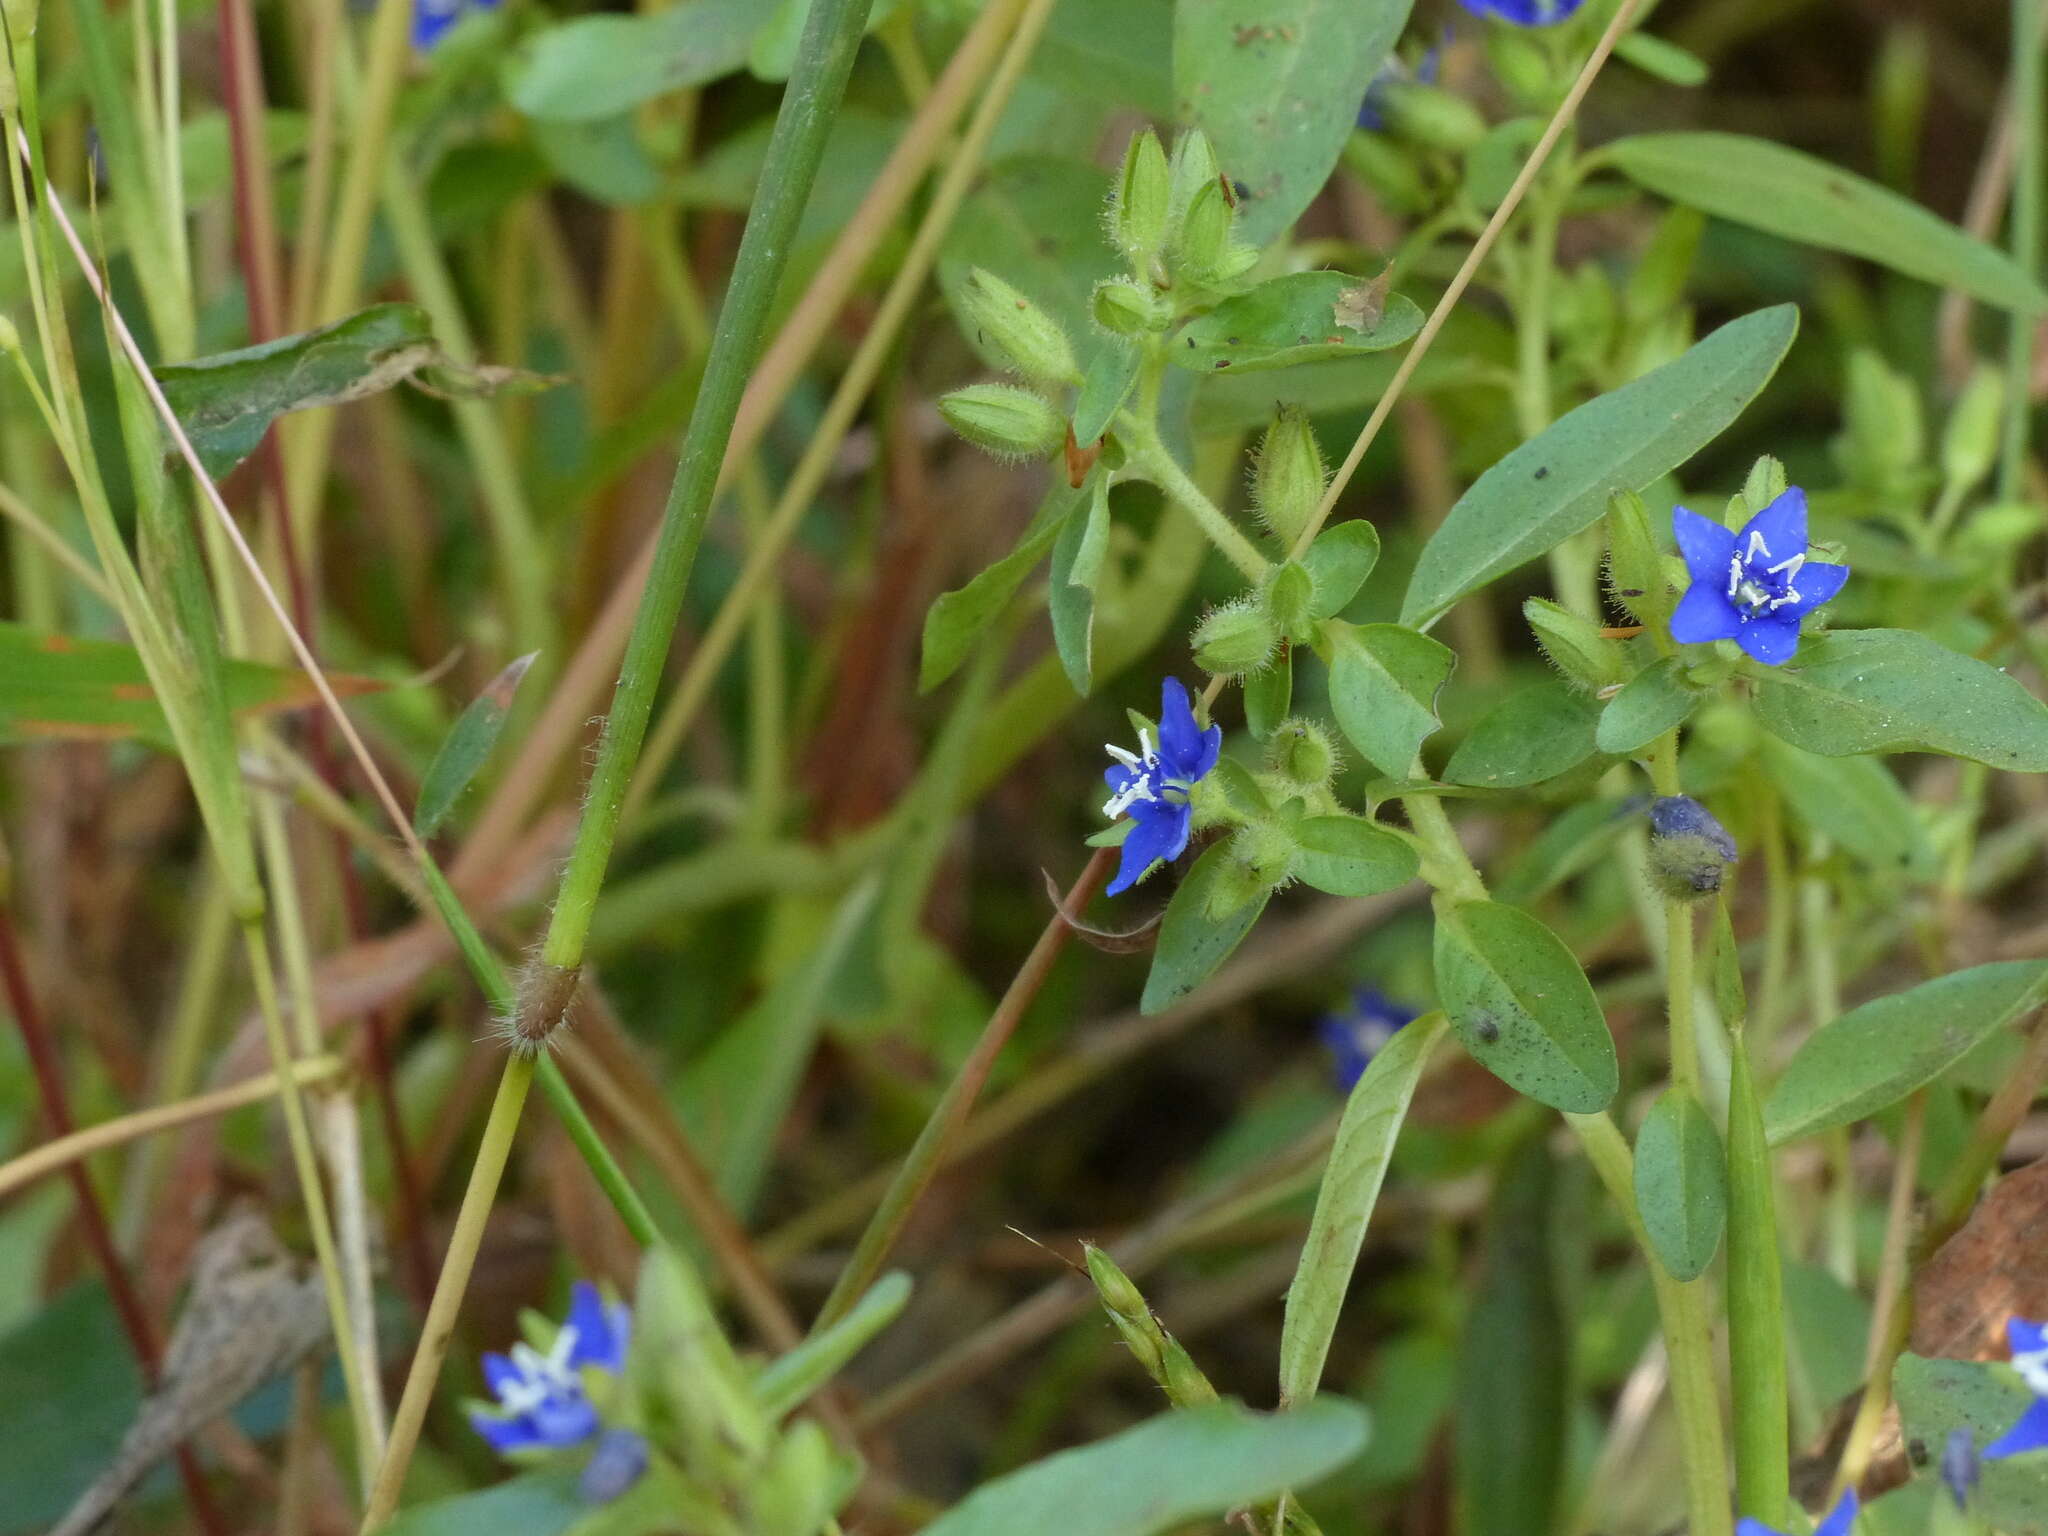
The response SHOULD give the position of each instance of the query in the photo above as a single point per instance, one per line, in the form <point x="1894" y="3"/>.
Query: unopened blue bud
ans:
<point x="1960" y="1468"/>
<point x="619" y="1462"/>
<point x="1689" y="848"/>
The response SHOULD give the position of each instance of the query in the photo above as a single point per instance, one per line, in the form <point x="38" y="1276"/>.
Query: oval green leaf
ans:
<point x="1873" y="1056"/>
<point x="1681" y="1184"/>
<point x="1165" y="1472"/>
<point x="1891" y="690"/>
<point x="1534" y="734"/>
<point x="1558" y="482"/>
<point x="1794" y="195"/>
<point x="1191" y="942"/>
<point x="1340" y="559"/>
<point x="1303" y="317"/>
<point x="1349" y="856"/>
<point x="1384" y="679"/>
<point x="1652" y="702"/>
<point x="1523" y="1007"/>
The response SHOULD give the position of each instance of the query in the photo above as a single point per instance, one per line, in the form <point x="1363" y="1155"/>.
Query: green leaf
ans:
<point x="1558" y="482"/>
<point x="1937" y="1397"/>
<point x="1891" y="690"/>
<point x="1873" y="1056"/>
<point x="1575" y="840"/>
<point x="1384" y="680"/>
<point x="786" y="1382"/>
<point x="957" y="618"/>
<point x="1344" y="1203"/>
<point x="1269" y="695"/>
<point x="1534" y="734"/>
<point x="1165" y="1472"/>
<point x="533" y="1504"/>
<point x="1349" y="856"/>
<point x="1681" y="1184"/>
<point x="1662" y="60"/>
<point x="1077" y="557"/>
<point x="1340" y="558"/>
<point x="1191" y="942"/>
<point x="1277" y="91"/>
<point x="468" y="745"/>
<point x="1798" y="197"/>
<point x="600" y="66"/>
<point x="1114" y="52"/>
<point x="1302" y="317"/>
<point x="1037" y="223"/>
<point x="1104" y="389"/>
<point x="1854" y="801"/>
<point x="1522" y="1006"/>
<point x="1652" y="702"/>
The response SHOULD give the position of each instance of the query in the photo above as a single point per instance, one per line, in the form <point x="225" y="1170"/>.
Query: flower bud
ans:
<point x="1260" y="857"/>
<point x="1290" y="600"/>
<point x="1125" y="307"/>
<point x="1138" y="221"/>
<point x="1575" y="645"/>
<point x="1023" y="337"/>
<point x="1116" y="1289"/>
<point x="1689" y="848"/>
<point x="1202" y="242"/>
<point x="1194" y="167"/>
<point x="1287" y="475"/>
<point x="1522" y="65"/>
<point x="1960" y="1466"/>
<point x="618" y="1461"/>
<point x="1301" y="752"/>
<point x="1766" y="483"/>
<point x="1009" y="422"/>
<point x="1186" y="1386"/>
<point x="1431" y="117"/>
<point x="1969" y="443"/>
<point x="1235" y="639"/>
<point x="1635" y="565"/>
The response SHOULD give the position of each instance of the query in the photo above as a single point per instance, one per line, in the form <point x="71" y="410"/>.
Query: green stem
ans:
<point x="809" y="107"/>
<point x="2026" y="241"/>
<point x="1756" y="1308"/>
<point x="1160" y="467"/>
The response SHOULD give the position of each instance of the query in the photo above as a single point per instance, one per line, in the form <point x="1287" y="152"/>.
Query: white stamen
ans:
<point x="1140" y="788"/>
<point x="1122" y="754"/>
<point x="1756" y="547"/>
<point x="1734" y="575"/>
<point x="1151" y="753"/>
<point x="1790" y="567"/>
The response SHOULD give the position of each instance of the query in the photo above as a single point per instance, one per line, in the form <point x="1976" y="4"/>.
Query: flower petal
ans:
<point x="1706" y="545"/>
<point x="503" y="1435"/>
<point x="1816" y="583"/>
<point x="1841" y="1517"/>
<point x="1160" y="832"/>
<point x="2029" y="1434"/>
<point x="1771" y="639"/>
<point x="2026" y="1337"/>
<point x="1748" y="1527"/>
<point x="1180" y="738"/>
<point x="1783" y="525"/>
<point x="500" y="1373"/>
<point x="595" y="1343"/>
<point x="1704" y="614"/>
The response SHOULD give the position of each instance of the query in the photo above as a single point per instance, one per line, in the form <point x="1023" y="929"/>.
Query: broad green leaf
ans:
<point x="1384" y="680"/>
<point x="1522" y="1006"/>
<point x="1558" y="482"/>
<point x="957" y="618"/>
<point x="1681" y="1184"/>
<point x="1112" y="51"/>
<point x="1191" y="942"/>
<point x="1936" y="1397"/>
<point x="1302" y="317"/>
<point x="1349" y="856"/>
<point x="1344" y="1203"/>
<point x="1652" y="702"/>
<point x="600" y="66"/>
<point x="1077" y="556"/>
<point x="1340" y="558"/>
<point x="55" y="687"/>
<point x="1277" y="91"/>
<point x="1789" y="193"/>
<point x="533" y="1504"/>
<point x="1514" y="1378"/>
<point x="1854" y="801"/>
<point x="786" y="1382"/>
<point x="1891" y="690"/>
<point x="1163" y="1473"/>
<point x="1037" y="223"/>
<point x="602" y="157"/>
<point x="1873" y="1056"/>
<point x="1269" y="695"/>
<point x="1536" y="733"/>
<point x="468" y="745"/>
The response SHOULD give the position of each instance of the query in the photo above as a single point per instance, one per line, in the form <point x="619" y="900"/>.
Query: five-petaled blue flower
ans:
<point x="431" y="18"/>
<point x="1525" y="13"/>
<point x="1357" y="1034"/>
<point x="2030" y="1359"/>
<point x="1838" y="1522"/>
<point x="542" y="1404"/>
<point x="1751" y="587"/>
<point x="1151" y="786"/>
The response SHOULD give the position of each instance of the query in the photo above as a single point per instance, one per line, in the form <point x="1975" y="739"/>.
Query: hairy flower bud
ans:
<point x="1125" y="307"/>
<point x="1009" y="422"/>
<point x="1635" y="565"/>
<point x="1194" y="167"/>
<point x="1766" y="483"/>
<point x="1139" y="219"/>
<point x="1235" y="639"/>
<point x="1287" y="475"/>
<point x="1302" y="753"/>
<point x="1290" y="599"/>
<point x="1689" y="848"/>
<point x="1022" y="337"/>
<point x="1575" y="645"/>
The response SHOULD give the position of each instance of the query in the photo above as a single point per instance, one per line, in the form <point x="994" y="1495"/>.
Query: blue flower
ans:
<point x="542" y="1404"/>
<point x="1751" y="587"/>
<point x="1151" y="786"/>
<point x="2030" y="1359"/>
<point x="1394" y="72"/>
<point x="1358" y="1033"/>
<point x="432" y="18"/>
<point x="1524" y="13"/>
<point x="1838" y="1522"/>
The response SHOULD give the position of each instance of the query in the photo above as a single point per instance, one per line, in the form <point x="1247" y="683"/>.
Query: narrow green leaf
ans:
<point x="1384" y="679"/>
<point x="1165" y="1472"/>
<point x="1522" y="1006"/>
<point x="1340" y="559"/>
<point x="958" y="618"/>
<point x="1349" y="856"/>
<point x="1558" y="482"/>
<point x="1344" y="1203"/>
<point x="786" y="1382"/>
<point x="1855" y="802"/>
<point x="1731" y="1001"/>
<point x="468" y="745"/>
<point x="1662" y="60"/>
<point x="600" y="66"/>
<point x="1891" y="690"/>
<point x="1652" y="702"/>
<point x="1191" y="942"/>
<point x="1873" y="1056"/>
<point x="1789" y="193"/>
<point x="1534" y="734"/>
<point x="1301" y="317"/>
<point x="1277" y="91"/>
<point x="1077" y="556"/>
<point x="1681" y="1184"/>
<point x="1104" y="388"/>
